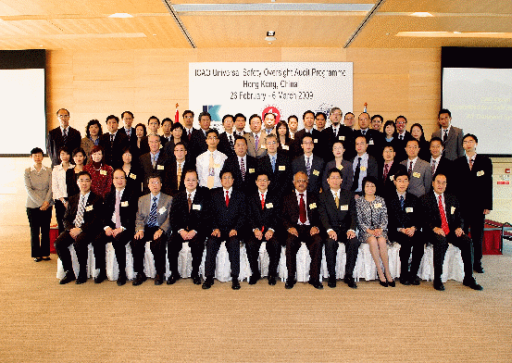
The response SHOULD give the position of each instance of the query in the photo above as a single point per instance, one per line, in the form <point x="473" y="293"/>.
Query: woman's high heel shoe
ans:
<point x="383" y="283"/>
<point x="391" y="283"/>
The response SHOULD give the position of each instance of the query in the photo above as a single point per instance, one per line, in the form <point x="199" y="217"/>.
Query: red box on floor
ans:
<point x="54" y="233"/>
<point x="492" y="241"/>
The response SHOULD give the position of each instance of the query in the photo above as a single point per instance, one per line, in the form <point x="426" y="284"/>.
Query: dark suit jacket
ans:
<point x="169" y="147"/>
<point x="127" y="209"/>
<point x="224" y="145"/>
<point x="401" y="155"/>
<point x="171" y="176"/>
<point x="92" y="213"/>
<point x="199" y="217"/>
<point x="133" y="136"/>
<point x="248" y="186"/>
<point x="54" y="142"/>
<point x="317" y="140"/>
<point x="114" y="152"/>
<point x="375" y="140"/>
<point x="446" y="168"/>
<point x="453" y="145"/>
<point x="290" y="211"/>
<point x="345" y="135"/>
<point x="227" y="218"/>
<point x="410" y="216"/>
<point x="134" y="179"/>
<point x="315" y="177"/>
<point x="388" y="185"/>
<point x="373" y="167"/>
<point x="432" y="217"/>
<point x="197" y="145"/>
<point x="281" y="178"/>
<point x="147" y="170"/>
<point x="267" y="217"/>
<point x="347" y="174"/>
<point x="473" y="188"/>
<point x="338" y="219"/>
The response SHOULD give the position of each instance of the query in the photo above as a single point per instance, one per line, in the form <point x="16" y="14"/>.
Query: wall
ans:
<point x="150" y="82"/>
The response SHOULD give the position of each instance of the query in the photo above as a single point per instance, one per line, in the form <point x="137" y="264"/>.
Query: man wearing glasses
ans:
<point x="210" y="163"/>
<point x="64" y="135"/>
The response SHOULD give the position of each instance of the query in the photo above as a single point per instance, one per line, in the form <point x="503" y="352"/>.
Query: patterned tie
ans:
<point x="262" y="201"/>
<point x="211" y="173"/>
<point x="65" y="136"/>
<point x="386" y="171"/>
<point x="302" y="209"/>
<point x="242" y="168"/>
<point x="152" y="214"/>
<point x="308" y="165"/>
<point x="357" y="173"/>
<point x="256" y="141"/>
<point x="153" y="161"/>
<point x="444" y="222"/>
<point x="79" y="219"/>
<point x="117" y="210"/>
<point x="433" y="167"/>
<point x="337" y="201"/>
<point x="409" y="171"/>
<point x="402" y="202"/>
<point x="273" y="162"/>
<point x="189" y="200"/>
<point x="179" y="174"/>
<point x="231" y="144"/>
<point x="227" y="199"/>
<point x="128" y="133"/>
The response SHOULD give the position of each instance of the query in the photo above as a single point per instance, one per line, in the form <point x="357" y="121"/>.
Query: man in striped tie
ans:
<point x="152" y="224"/>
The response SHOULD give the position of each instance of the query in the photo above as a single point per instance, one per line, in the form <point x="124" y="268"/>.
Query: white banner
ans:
<point x="259" y="87"/>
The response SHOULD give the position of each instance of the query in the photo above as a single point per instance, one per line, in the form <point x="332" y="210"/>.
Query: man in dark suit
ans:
<point x="443" y="224"/>
<point x="337" y="211"/>
<point x="263" y="215"/>
<point x="152" y="224"/>
<point x="227" y="138"/>
<point x="153" y="162"/>
<point x="240" y="121"/>
<point x="82" y="225"/>
<point x="228" y="222"/>
<point x="439" y="164"/>
<point x="190" y="222"/>
<point x="276" y="166"/>
<point x="419" y="171"/>
<point x="474" y="191"/>
<point x="197" y="144"/>
<point x="119" y="212"/>
<point x="188" y="121"/>
<point x="388" y="169"/>
<point x="127" y="129"/>
<point x="64" y="135"/>
<point x="310" y="164"/>
<point x="166" y="129"/>
<point x="301" y="221"/>
<point x="375" y="139"/>
<point x="309" y="120"/>
<point x="337" y="132"/>
<point x="363" y="164"/>
<point x="242" y="166"/>
<point x="404" y="224"/>
<point x="401" y="136"/>
<point x="113" y="142"/>
<point x="175" y="169"/>
<point x="451" y="136"/>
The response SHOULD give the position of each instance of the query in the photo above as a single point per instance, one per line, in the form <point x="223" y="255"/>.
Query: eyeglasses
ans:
<point x="62" y="116"/>
<point x="212" y="137"/>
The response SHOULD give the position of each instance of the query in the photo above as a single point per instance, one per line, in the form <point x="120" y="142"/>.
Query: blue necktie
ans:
<point x="152" y="214"/>
<point x="273" y="162"/>
<point x="402" y="202"/>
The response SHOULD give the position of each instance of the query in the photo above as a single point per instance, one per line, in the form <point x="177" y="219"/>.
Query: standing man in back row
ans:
<point x="64" y="135"/>
<point x="451" y="136"/>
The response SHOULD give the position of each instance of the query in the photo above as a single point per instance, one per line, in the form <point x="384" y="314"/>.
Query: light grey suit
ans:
<point x="453" y="145"/>
<point x="421" y="178"/>
<point x="251" y="145"/>
<point x="163" y="212"/>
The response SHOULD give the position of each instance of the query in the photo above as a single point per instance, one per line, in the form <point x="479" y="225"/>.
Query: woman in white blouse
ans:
<point x="59" y="186"/>
<point x="38" y="183"/>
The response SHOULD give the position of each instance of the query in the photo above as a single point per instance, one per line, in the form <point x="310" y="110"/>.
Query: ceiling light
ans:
<point x="121" y="15"/>
<point x="421" y="14"/>
<point x="270" y="36"/>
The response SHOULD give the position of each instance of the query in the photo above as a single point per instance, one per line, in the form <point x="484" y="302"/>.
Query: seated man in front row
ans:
<point x="338" y="215"/>
<point x="82" y="225"/>
<point x="301" y="221"/>
<point x="443" y="224"/>
<point x="404" y="221"/>
<point x="228" y="222"/>
<point x="263" y="215"/>
<point x="190" y="222"/>
<point x="151" y="225"/>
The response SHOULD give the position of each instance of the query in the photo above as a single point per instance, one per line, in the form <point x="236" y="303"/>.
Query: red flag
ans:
<point x="177" y="115"/>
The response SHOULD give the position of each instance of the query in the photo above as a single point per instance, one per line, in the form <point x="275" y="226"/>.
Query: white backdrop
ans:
<point x="284" y="88"/>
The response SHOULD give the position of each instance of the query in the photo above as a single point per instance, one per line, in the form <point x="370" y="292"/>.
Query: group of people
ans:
<point x="319" y="185"/>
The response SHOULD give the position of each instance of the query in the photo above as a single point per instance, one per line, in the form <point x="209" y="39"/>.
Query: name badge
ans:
<point x="282" y="168"/>
<point x="162" y="210"/>
<point x="161" y="146"/>
<point x="378" y="205"/>
<point x="160" y="167"/>
<point x="88" y="208"/>
<point x="286" y="147"/>
<point x="312" y="206"/>
<point x="408" y="210"/>
<point x="341" y="138"/>
<point x="340" y="167"/>
<point x="196" y="206"/>
<point x="416" y="174"/>
<point x="263" y="146"/>
<point x="315" y="141"/>
<point x="392" y="178"/>
<point x="216" y="166"/>
<point x="452" y="210"/>
<point x="269" y="205"/>
<point x="252" y="170"/>
<point x="316" y="172"/>
<point x="133" y="176"/>
<point x="344" y="207"/>
<point x="370" y="142"/>
<point x="124" y="204"/>
<point x="480" y="173"/>
<point x="103" y="172"/>
<point x="363" y="168"/>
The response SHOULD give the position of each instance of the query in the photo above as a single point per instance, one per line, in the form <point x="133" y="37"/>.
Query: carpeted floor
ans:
<point x="42" y="321"/>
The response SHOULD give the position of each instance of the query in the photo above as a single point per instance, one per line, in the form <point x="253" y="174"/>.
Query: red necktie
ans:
<point x="386" y="171"/>
<point x="262" y="202"/>
<point x="444" y="222"/>
<point x="302" y="209"/>
<point x="227" y="198"/>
